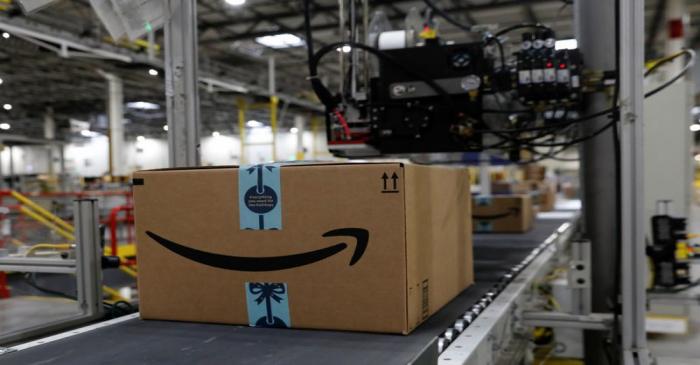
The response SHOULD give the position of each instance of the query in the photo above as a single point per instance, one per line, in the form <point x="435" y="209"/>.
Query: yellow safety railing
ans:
<point x="48" y="224"/>
<point x="63" y="229"/>
<point x="50" y="216"/>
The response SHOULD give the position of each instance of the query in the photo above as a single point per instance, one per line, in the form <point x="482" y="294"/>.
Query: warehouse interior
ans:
<point x="444" y="182"/>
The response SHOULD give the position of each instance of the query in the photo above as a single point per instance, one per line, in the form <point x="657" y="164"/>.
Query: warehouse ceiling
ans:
<point x="37" y="80"/>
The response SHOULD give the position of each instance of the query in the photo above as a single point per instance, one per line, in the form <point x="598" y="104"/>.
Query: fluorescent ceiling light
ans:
<point x="165" y="127"/>
<point x="88" y="133"/>
<point x="254" y="124"/>
<point x="566" y="44"/>
<point x="144" y="105"/>
<point x="140" y="138"/>
<point x="695" y="110"/>
<point x="215" y="134"/>
<point x="153" y="72"/>
<point x="294" y="130"/>
<point x="1" y="81"/>
<point x="697" y="158"/>
<point x="5" y="35"/>
<point x="7" y="106"/>
<point x="235" y="2"/>
<point x="284" y="40"/>
<point x="344" y="49"/>
<point x="695" y="127"/>
<point x="5" y="126"/>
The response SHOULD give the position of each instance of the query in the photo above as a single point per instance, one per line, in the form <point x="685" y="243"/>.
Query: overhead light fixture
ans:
<point x="5" y="126"/>
<point x="254" y="124"/>
<point x="165" y="127"/>
<point x="153" y="72"/>
<point x="215" y="134"/>
<point x="5" y="35"/>
<point x="143" y="105"/>
<point x="284" y="40"/>
<point x="88" y="133"/>
<point x="697" y="158"/>
<point x="344" y="49"/>
<point x="294" y="130"/>
<point x="235" y="2"/>
<point x="695" y="127"/>
<point x="140" y="138"/>
<point x="7" y="106"/>
<point x="566" y="44"/>
<point x="1" y="81"/>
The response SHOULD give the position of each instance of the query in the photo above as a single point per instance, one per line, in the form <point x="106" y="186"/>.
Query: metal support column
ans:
<point x="241" y="105"/>
<point x="115" y="114"/>
<point x="595" y="29"/>
<point x="181" y="89"/>
<point x="484" y="174"/>
<point x="634" y="344"/>
<point x="299" y="125"/>
<point x="12" y="168"/>
<point x="89" y="256"/>
<point x="579" y="276"/>
<point x="50" y="134"/>
<point x="274" y="104"/>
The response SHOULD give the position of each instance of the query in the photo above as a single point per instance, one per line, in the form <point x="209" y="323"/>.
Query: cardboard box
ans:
<point x="511" y="187"/>
<point x="362" y="247"/>
<point x="502" y="213"/>
<point x="548" y="196"/>
<point x="534" y="172"/>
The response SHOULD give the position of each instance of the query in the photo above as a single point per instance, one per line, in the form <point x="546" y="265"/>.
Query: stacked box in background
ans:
<point x="375" y="247"/>
<point x="502" y="213"/>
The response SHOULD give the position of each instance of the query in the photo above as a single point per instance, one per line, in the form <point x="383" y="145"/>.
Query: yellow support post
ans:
<point x="274" y="102"/>
<point x="36" y="207"/>
<point x="241" y="128"/>
<point x="31" y="214"/>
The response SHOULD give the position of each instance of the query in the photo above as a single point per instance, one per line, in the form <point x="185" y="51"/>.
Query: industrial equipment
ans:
<point x="420" y="93"/>
<point x="669" y="262"/>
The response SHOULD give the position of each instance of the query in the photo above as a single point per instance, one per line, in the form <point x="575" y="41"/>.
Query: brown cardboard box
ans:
<point x="502" y="213"/>
<point x="363" y="247"/>
<point x="547" y="196"/>
<point x="534" y="172"/>
<point x="511" y="187"/>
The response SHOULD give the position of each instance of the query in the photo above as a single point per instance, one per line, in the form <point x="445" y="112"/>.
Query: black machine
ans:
<point x="415" y="93"/>
<point x="430" y="97"/>
<point x="669" y="269"/>
<point x="405" y="114"/>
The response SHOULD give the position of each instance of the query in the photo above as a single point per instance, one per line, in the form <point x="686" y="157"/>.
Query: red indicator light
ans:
<point x="562" y="66"/>
<point x="675" y="28"/>
<point x="549" y="64"/>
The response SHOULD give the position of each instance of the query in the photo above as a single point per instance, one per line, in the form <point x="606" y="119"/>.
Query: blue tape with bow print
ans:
<point x="268" y="305"/>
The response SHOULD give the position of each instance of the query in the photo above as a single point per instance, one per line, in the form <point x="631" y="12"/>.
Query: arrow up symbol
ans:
<point x="394" y="178"/>
<point x="385" y="177"/>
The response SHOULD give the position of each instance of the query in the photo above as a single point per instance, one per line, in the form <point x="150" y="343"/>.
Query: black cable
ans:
<point x="447" y="17"/>
<point x="330" y="102"/>
<point x="321" y="91"/>
<point x="691" y="54"/>
<point x="30" y="279"/>
<point x="662" y="62"/>
<point x="521" y="26"/>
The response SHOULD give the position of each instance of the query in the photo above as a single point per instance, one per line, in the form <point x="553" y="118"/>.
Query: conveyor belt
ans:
<point x="140" y="342"/>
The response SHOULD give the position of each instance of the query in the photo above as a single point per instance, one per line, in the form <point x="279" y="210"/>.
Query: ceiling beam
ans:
<point x="331" y="8"/>
<point x="334" y="25"/>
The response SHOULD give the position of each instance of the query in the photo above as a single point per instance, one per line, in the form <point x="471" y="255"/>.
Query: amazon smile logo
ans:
<point x="272" y="263"/>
